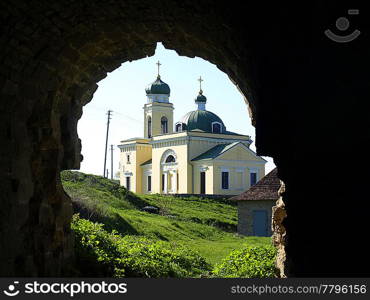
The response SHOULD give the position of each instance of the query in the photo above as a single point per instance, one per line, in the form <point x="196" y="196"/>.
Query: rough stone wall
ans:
<point x="279" y="232"/>
<point x="245" y="215"/>
<point x="307" y="96"/>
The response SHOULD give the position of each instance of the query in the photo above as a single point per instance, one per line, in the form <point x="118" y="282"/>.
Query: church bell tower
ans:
<point x="158" y="111"/>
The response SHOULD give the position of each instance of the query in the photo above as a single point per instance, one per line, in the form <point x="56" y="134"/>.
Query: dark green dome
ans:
<point x="158" y="87"/>
<point x="201" y="98"/>
<point x="201" y="120"/>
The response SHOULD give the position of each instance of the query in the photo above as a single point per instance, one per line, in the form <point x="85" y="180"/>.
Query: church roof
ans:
<point x="265" y="189"/>
<point x="158" y="87"/>
<point x="202" y="120"/>
<point x="215" y="151"/>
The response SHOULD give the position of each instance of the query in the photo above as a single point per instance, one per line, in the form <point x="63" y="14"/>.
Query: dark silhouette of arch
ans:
<point x="170" y="159"/>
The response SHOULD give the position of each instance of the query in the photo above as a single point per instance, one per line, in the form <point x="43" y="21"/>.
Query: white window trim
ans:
<point x="167" y="153"/>
<point x="220" y="127"/>
<point x="203" y="168"/>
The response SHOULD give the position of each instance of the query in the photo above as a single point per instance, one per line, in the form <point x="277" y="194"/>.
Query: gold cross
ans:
<point x="200" y="83"/>
<point x="158" y="64"/>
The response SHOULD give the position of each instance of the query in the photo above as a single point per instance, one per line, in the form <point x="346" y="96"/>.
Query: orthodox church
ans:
<point x="196" y="155"/>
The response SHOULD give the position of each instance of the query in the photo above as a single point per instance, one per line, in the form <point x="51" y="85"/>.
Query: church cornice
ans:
<point x="176" y="141"/>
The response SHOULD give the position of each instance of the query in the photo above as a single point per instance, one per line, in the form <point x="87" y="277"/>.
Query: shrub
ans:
<point x="249" y="262"/>
<point x="100" y="253"/>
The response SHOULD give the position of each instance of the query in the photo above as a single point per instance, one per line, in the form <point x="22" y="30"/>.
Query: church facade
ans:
<point x="195" y="155"/>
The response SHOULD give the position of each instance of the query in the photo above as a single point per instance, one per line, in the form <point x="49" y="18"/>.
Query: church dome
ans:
<point x="201" y="120"/>
<point x="158" y="87"/>
<point x="201" y="98"/>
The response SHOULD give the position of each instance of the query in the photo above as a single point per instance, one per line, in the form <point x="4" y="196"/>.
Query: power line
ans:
<point x="117" y="112"/>
<point x="106" y="143"/>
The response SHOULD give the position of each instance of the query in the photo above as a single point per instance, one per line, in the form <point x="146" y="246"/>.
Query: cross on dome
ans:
<point x="158" y="64"/>
<point x="200" y="84"/>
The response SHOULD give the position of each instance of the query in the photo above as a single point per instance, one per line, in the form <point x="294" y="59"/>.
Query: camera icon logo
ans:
<point x="11" y="292"/>
<point x="342" y="24"/>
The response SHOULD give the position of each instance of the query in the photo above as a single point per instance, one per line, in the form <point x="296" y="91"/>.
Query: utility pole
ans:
<point x="106" y="142"/>
<point x="111" y="162"/>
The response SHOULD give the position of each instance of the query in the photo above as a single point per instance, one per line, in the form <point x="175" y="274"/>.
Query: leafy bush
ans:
<point x="249" y="262"/>
<point x="100" y="253"/>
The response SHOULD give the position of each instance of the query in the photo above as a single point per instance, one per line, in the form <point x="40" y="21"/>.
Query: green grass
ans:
<point x="204" y="225"/>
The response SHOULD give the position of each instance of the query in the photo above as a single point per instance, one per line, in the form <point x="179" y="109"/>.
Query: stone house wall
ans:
<point x="245" y="214"/>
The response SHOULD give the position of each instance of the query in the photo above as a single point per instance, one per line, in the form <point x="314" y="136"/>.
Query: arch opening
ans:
<point x="66" y="85"/>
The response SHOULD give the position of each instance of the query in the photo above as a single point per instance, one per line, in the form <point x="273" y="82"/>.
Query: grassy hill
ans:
<point x="207" y="226"/>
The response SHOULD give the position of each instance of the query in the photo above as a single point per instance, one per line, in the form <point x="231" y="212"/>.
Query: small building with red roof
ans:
<point x="255" y="206"/>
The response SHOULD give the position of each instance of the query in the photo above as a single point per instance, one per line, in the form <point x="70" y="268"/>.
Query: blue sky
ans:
<point x="123" y="91"/>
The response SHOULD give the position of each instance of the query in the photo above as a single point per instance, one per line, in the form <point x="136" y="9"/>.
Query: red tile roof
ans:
<point x="265" y="189"/>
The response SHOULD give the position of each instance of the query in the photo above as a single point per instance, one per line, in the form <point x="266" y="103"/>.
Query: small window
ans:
<point x="164" y="125"/>
<point x="178" y="127"/>
<point x="170" y="159"/>
<point x="149" y="183"/>
<point x="253" y="178"/>
<point x="128" y="183"/>
<point x="225" y="180"/>
<point x="163" y="181"/>
<point x="128" y="159"/>
<point x="149" y="127"/>
<point x="216" y="127"/>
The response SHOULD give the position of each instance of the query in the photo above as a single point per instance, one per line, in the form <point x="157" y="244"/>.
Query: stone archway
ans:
<point x="53" y="54"/>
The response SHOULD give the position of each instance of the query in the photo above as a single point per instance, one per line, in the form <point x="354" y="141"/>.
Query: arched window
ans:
<point x="164" y="125"/>
<point x="216" y="127"/>
<point x="179" y="127"/>
<point x="170" y="159"/>
<point x="149" y="127"/>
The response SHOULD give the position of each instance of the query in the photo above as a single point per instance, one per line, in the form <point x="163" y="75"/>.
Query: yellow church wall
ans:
<point x="235" y="137"/>
<point x="239" y="162"/>
<point x="208" y="169"/>
<point x="173" y="136"/>
<point x="234" y="169"/>
<point x="143" y="154"/>
<point x="197" y="147"/>
<point x="139" y="153"/>
<point x="128" y="167"/>
<point x="156" y="111"/>
<point x="239" y="152"/>
<point x="182" y="168"/>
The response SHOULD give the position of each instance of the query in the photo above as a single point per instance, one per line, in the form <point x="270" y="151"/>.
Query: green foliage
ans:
<point x="100" y="253"/>
<point x="205" y="225"/>
<point x="249" y="262"/>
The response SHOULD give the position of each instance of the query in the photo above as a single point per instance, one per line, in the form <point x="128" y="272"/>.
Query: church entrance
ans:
<point x="169" y="172"/>
<point x="202" y="182"/>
